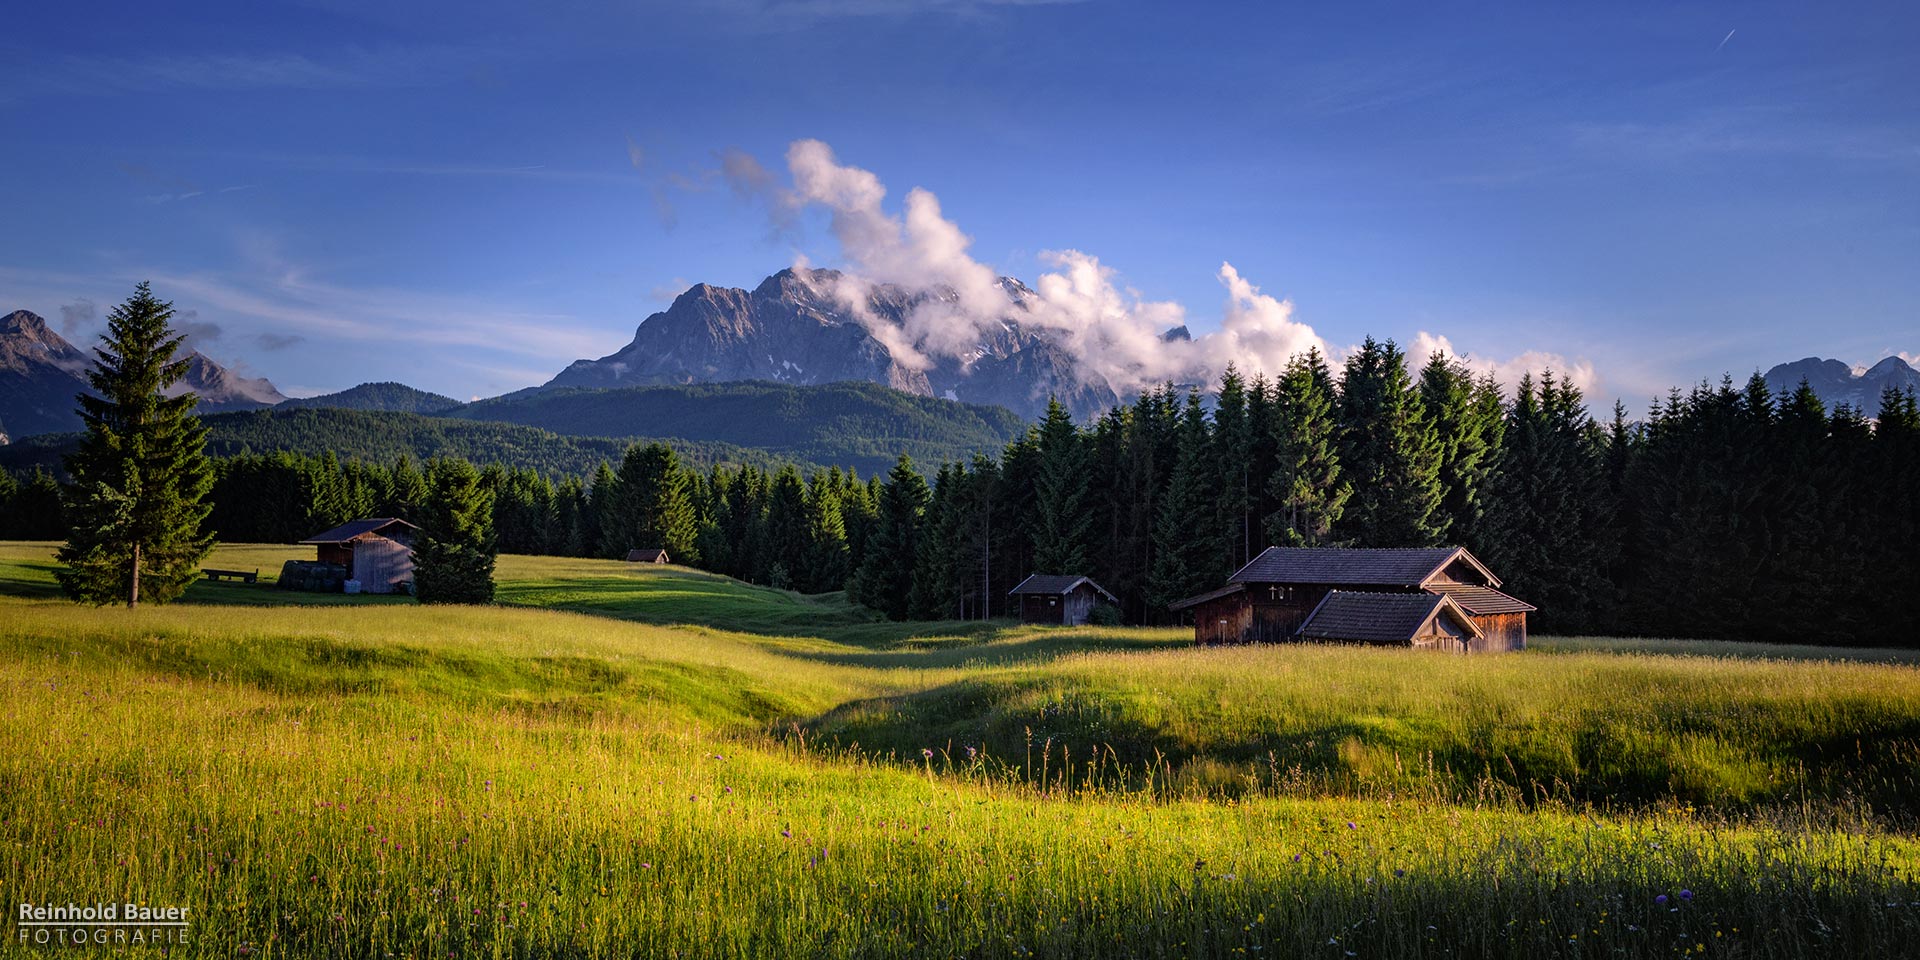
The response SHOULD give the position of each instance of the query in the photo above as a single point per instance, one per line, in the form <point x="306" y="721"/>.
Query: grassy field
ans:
<point x="619" y="761"/>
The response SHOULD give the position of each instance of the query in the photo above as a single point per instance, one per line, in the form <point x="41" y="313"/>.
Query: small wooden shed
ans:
<point x="647" y="556"/>
<point x="377" y="551"/>
<point x="1424" y="621"/>
<point x="1067" y="600"/>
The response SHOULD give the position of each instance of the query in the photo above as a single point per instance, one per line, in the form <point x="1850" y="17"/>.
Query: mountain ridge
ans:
<point x="792" y="328"/>
<point x="1835" y="382"/>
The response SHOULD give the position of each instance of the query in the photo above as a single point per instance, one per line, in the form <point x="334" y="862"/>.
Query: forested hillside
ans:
<point x="385" y="395"/>
<point x="863" y="425"/>
<point x="381" y="437"/>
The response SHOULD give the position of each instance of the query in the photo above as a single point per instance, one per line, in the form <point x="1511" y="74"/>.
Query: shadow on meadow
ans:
<point x="1105" y="727"/>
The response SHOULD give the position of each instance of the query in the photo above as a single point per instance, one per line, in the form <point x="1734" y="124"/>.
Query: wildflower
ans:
<point x="1686" y="894"/>
<point x="787" y="833"/>
<point x="1661" y="899"/>
<point x="926" y="753"/>
<point x="1350" y="825"/>
<point x="1399" y="872"/>
<point x="970" y="753"/>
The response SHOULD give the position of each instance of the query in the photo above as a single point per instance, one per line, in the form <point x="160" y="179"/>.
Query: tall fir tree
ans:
<point x="1061" y="538"/>
<point x="1468" y="420"/>
<point x="141" y="473"/>
<point x="1550" y="523"/>
<point x="1186" y="553"/>
<point x="1232" y="459"/>
<point x="604" y="515"/>
<point x="655" y="505"/>
<point x="825" y="567"/>
<point x="787" y="529"/>
<point x="884" y="581"/>
<point x="454" y="553"/>
<point x="1389" y="450"/>
<point x="1307" y="488"/>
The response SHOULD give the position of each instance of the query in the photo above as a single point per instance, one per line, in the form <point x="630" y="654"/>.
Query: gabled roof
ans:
<point x="356" y="529"/>
<point x="1356" y="566"/>
<point x="1481" y="601"/>
<point x="1051" y="584"/>
<point x="1381" y="617"/>
<point x="1226" y="591"/>
<point x="647" y="556"/>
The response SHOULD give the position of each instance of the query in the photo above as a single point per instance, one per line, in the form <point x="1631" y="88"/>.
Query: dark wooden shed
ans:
<point x="1067" y="600"/>
<point x="377" y="551"/>
<point x="1271" y="598"/>
<point x="647" y="556"/>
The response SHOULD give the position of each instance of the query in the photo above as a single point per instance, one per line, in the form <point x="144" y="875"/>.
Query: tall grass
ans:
<point x="378" y="779"/>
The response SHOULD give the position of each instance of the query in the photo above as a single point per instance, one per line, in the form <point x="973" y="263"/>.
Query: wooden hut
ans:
<point x="1068" y="600"/>
<point x="647" y="556"/>
<point x="1278" y="596"/>
<point x="377" y="552"/>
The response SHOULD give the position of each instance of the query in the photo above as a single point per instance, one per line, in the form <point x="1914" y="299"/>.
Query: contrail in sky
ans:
<point x="1723" y="40"/>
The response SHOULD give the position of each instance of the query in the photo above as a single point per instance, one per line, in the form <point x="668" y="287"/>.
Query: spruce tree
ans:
<point x="1062" y="497"/>
<point x="454" y="552"/>
<point x="141" y="473"/>
<point x="1232" y="458"/>
<point x="1307" y="489"/>
<point x="1550" y="523"/>
<point x="404" y="492"/>
<point x="1389" y="451"/>
<point x="884" y="581"/>
<point x="1186" y="549"/>
<point x="826" y="560"/>
<point x="1468" y="420"/>
<point x="655" y="507"/>
<point x="787" y="526"/>
<point x="605" y="535"/>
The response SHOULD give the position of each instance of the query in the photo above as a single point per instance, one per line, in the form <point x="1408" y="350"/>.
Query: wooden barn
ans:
<point x="1067" y="600"/>
<point x="1289" y="593"/>
<point x="647" y="556"/>
<point x="378" y="552"/>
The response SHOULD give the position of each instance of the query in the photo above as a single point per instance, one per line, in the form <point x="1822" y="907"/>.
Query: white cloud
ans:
<point x="1507" y="372"/>
<point x="1113" y="332"/>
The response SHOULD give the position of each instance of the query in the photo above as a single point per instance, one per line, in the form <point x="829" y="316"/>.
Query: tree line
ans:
<point x="1726" y="511"/>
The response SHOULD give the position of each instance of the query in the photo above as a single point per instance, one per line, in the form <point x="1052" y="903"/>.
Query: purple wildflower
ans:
<point x="1661" y="899"/>
<point x="1686" y="894"/>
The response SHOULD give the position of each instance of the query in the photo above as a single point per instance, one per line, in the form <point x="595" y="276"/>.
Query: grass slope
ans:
<point x="629" y="761"/>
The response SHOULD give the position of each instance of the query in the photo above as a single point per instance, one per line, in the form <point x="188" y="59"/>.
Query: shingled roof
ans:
<point x="1361" y="617"/>
<point x="1481" y="601"/>
<point x="356" y="529"/>
<point x="1355" y="566"/>
<point x="1044" y="583"/>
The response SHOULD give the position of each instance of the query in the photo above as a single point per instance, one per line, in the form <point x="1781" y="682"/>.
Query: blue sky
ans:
<point x="466" y="196"/>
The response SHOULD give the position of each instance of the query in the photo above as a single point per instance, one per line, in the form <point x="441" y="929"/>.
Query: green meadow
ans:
<point x="626" y="761"/>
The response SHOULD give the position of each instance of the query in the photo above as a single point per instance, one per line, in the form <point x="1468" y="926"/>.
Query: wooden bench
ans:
<point x="240" y="575"/>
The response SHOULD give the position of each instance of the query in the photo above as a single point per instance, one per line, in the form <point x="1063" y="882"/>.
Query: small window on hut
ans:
<point x="1053" y="602"/>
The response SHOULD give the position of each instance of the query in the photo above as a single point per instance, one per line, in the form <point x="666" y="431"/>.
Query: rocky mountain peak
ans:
<point x="794" y="328"/>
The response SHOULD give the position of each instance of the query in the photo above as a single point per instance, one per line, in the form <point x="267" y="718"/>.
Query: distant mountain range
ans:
<point x="791" y="329"/>
<point x="40" y="373"/>
<point x="1836" y="383"/>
